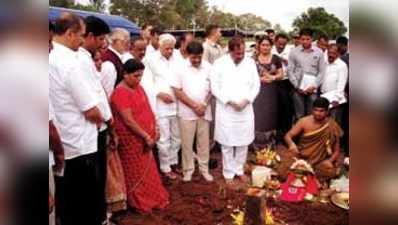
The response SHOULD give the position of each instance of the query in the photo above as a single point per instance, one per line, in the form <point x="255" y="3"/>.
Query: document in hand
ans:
<point x="332" y="96"/>
<point x="307" y="81"/>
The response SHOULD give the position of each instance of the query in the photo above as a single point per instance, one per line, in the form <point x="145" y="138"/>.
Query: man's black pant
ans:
<point x="285" y="107"/>
<point x="345" y="120"/>
<point x="102" y="165"/>
<point x="78" y="193"/>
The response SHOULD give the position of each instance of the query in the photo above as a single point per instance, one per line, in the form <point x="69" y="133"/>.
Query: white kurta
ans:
<point x="163" y="71"/>
<point x="230" y="82"/>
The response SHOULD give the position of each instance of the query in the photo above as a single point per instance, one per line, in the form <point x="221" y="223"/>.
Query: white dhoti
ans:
<point x="233" y="159"/>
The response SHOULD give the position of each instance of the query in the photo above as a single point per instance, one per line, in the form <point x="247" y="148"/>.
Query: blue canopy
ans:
<point x="112" y="20"/>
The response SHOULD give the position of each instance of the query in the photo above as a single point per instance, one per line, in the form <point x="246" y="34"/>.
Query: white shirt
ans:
<point x="126" y="56"/>
<point x="109" y="73"/>
<point x="94" y="79"/>
<point x="284" y="55"/>
<point x="150" y="50"/>
<point x="163" y="71"/>
<point x="195" y="83"/>
<point x="335" y="80"/>
<point x="230" y="82"/>
<point x="180" y="58"/>
<point x="148" y="83"/>
<point x="71" y="95"/>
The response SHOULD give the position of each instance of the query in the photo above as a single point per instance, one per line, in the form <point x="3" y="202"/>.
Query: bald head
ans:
<point x="69" y="31"/>
<point x="138" y="48"/>
<point x="68" y="21"/>
<point x="120" y="40"/>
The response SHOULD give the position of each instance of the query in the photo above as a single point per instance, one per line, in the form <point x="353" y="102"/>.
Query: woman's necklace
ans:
<point x="264" y="59"/>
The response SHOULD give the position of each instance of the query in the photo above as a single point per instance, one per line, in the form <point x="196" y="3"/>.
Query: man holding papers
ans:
<point x="306" y="70"/>
<point x="334" y="82"/>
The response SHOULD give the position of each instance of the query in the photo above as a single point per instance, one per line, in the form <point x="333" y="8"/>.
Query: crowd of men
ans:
<point x="199" y="93"/>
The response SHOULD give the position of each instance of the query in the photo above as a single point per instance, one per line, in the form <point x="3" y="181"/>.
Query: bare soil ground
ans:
<point x="203" y="203"/>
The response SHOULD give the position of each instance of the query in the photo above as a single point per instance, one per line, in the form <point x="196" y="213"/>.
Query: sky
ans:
<point x="283" y="11"/>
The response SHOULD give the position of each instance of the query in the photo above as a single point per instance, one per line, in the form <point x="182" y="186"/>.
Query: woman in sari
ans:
<point x="136" y="127"/>
<point x="269" y="67"/>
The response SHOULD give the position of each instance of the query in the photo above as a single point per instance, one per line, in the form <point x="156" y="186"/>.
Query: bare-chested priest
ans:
<point x="317" y="140"/>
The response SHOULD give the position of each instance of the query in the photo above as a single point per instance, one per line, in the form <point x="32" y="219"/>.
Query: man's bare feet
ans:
<point x="176" y="169"/>
<point x="243" y="178"/>
<point x="171" y="175"/>
<point x="229" y="182"/>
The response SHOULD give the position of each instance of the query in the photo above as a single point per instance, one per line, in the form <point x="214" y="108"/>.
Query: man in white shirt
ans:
<point x="78" y="118"/>
<point x="153" y="45"/>
<point x="323" y="42"/>
<point x="212" y="51"/>
<point x="334" y="82"/>
<point x="94" y="38"/>
<point x="183" y="41"/>
<point x="146" y="33"/>
<point x="164" y="67"/>
<point x="112" y="66"/>
<point x="192" y="88"/>
<point x="285" y="88"/>
<point x="235" y="84"/>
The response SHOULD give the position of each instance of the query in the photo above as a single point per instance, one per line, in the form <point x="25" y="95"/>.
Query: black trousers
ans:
<point x="78" y="193"/>
<point x="102" y="166"/>
<point x="345" y="121"/>
<point x="285" y="107"/>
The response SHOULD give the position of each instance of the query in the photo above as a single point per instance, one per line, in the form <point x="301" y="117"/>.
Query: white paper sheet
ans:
<point x="307" y="81"/>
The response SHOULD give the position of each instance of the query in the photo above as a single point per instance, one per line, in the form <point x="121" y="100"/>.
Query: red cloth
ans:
<point x="144" y="188"/>
<point x="116" y="61"/>
<point x="297" y="194"/>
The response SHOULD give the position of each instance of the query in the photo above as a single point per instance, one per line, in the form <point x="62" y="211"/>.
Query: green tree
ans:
<point x="97" y="6"/>
<point x="60" y="3"/>
<point x="320" y="21"/>
<point x="225" y="20"/>
<point x="251" y="22"/>
<point x="138" y="11"/>
<point x="278" y="29"/>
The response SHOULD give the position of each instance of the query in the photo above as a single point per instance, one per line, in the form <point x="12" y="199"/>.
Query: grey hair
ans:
<point x="166" y="38"/>
<point x="119" y="34"/>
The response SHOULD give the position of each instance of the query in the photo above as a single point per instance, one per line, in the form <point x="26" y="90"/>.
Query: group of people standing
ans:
<point x="112" y="94"/>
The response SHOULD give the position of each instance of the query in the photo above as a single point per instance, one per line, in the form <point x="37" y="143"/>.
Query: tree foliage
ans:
<point x="320" y="21"/>
<point x="184" y="14"/>
<point x="97" y="6"/>
<point x="187" y="14"/>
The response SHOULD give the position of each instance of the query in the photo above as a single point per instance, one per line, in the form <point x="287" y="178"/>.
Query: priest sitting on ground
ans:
<point x="317" y="138"/>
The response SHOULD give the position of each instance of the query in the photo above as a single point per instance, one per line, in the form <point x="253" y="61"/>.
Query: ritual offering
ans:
<point x="301" y="183"/>
<point x="238" y="217"/>
<point x="272" y="184"/>
<point x="260" y="175"/>
<point x="267" y="157"/>
<point x="341" y="200"/>
<point x="325" y="194"/>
